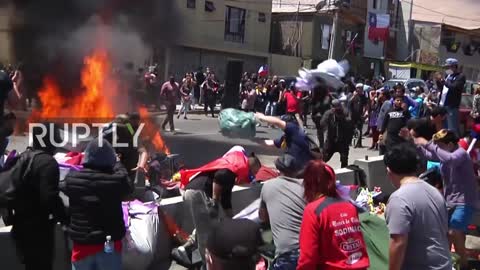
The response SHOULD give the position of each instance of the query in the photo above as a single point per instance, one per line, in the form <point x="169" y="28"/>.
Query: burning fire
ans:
<point x="94" y="100"/>
<point x="152" y="132"/>
<point x="98" y="96"/>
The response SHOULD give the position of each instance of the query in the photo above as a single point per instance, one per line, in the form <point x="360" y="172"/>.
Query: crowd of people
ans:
<point x="313" y="226"/>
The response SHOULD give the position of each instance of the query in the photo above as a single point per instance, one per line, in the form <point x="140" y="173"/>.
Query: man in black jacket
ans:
<point x="451" y="94"/>
<point x="339" y="133"/>
<point x="95" y="194"/>
<point x="37" y="205"/>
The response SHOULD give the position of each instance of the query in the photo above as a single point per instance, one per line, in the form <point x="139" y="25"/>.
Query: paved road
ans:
<point x="198" y="141"/>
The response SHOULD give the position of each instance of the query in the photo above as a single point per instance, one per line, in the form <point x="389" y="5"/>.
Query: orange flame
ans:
<point x="94" y="101"/>
<point x="98" y="98"/>
<point x="151" y="131"/>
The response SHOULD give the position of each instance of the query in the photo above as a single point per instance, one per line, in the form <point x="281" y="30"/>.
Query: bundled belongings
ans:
<point x="147" y="238"/>
<point x="236" y="123"/>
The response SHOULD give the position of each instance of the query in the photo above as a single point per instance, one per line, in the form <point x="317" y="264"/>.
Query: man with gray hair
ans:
<point x="451" y="94"/>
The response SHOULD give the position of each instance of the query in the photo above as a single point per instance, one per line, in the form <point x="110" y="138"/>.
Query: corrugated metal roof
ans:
<point x="459" y="13"/>
<point x="303" y="6"/>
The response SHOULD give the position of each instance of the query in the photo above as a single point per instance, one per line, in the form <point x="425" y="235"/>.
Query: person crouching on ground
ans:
<point x="232" y="244"/>
<point x="330" y="236"/>
<point x="204" y="195"/>
<point x="95" y="195"/>
<point x="460" y="186"/>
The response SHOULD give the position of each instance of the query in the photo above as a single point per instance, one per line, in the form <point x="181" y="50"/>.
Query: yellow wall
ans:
<point x="202" y="29"/>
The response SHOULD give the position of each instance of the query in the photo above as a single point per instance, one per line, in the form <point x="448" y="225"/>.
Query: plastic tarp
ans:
<point x="146" y="239"/>
<point x="237" y="124"/>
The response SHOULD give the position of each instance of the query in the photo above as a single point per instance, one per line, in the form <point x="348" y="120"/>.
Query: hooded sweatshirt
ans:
<point x="95" y="195"/>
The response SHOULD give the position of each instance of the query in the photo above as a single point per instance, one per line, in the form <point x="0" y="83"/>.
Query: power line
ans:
<point x="441" y="13"/>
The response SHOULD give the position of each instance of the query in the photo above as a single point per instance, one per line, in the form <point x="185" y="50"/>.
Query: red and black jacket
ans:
<point x="331" y="237"/>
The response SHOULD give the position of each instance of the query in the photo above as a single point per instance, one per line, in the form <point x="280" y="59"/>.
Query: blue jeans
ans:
<point x="453" y="120"/>
<point x="271" y="109"/>
<point x="286" y="261"/>
<point x="100" y="261"/>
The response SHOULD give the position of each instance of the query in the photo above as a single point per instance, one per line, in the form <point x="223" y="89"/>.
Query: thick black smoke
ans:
<point x="53" y="36"/>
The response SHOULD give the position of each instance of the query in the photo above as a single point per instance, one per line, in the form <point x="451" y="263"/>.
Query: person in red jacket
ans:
<point x="330" y="236"/>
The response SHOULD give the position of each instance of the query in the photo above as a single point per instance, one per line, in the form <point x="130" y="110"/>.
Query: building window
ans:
<point x="262" y="17"/>
<point x="209" y="6"/>
<point x="191" y="3"/>
<point x="374" y="4"/>
<point x="235" y="24"/>
<point x="326" y="33"/>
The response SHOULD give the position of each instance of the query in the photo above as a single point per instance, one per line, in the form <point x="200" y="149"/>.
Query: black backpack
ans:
<point x="13" y="174"/>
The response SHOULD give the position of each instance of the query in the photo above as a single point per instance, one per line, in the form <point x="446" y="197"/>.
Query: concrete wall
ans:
<point x="202" y="29"/>
<point x="6" y="44"/>
<point x="285" y="65"/>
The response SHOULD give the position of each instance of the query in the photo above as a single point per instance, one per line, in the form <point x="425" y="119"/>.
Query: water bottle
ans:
<point x="108" y="248"/>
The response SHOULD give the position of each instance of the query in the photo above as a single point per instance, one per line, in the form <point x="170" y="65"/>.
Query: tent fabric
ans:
<point x="235" y="160"/>
<point x="375" y="233"/>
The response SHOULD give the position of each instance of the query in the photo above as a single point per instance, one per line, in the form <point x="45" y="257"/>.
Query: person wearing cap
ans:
<point x="295" y="142"/>
<point x="339" y="133"/>
<point x="282" y="206"/>
<point x="460" y="186"/>
<point x="417" y="95"/>
<point x="451" y="94"/>
<point x="330" y="235"/>
<point x="95" y="195"/>
<point x="357" y="105"/>
<point x="232" y="244"/>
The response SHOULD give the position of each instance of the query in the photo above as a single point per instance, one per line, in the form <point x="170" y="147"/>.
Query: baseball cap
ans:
<point x="286" y="164"/>
<point x="359" y="85"/>
<point x="234" y="239"/>
<point x="450" y="62"/>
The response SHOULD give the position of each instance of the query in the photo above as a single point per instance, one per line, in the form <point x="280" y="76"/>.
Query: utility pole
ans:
<point x="333" y="35"/>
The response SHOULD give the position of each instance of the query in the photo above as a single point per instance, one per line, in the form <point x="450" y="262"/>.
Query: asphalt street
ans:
<point x="197" y="140"/>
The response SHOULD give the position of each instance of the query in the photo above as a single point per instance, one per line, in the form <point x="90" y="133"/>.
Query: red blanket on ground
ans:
<point x="75" y="158"/>
<point x="235" y="160"/>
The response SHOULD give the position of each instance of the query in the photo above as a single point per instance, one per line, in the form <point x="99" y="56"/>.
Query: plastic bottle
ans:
<point x="108" y="247"/>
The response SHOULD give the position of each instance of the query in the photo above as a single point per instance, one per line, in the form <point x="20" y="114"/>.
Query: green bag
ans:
<point x="237" y="124"/>
<point x="375" y="233"/>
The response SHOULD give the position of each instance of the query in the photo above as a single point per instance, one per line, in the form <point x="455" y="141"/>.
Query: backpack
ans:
<point x="13" y="174"/>
<point x="360" y="175"/>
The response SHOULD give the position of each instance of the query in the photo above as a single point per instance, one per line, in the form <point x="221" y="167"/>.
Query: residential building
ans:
<point x="229" y="36"/>
<point x="304" y="29"/>
<point x="435" y="32"/>
<point x="375" y="50"/>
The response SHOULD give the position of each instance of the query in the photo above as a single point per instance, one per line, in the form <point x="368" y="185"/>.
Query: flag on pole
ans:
<point x="263" y="71"/>
<point x="378" y="26"/>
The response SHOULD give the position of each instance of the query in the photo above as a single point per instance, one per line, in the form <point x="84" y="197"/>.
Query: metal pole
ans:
<point x="334" y="34"/>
